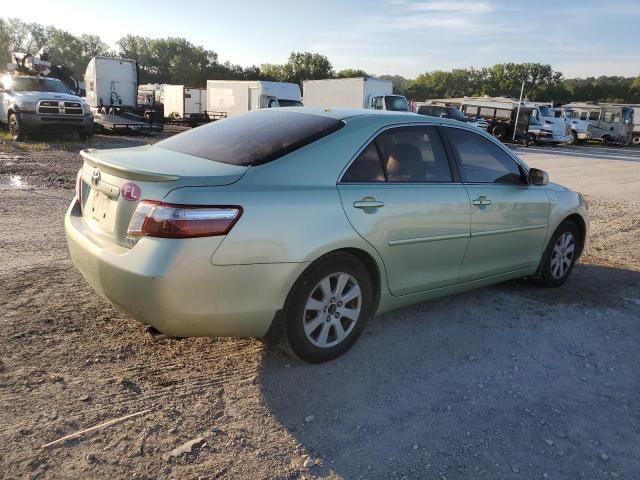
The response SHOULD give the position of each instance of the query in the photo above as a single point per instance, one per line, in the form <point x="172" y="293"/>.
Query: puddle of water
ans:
<point x="11" y="181"/>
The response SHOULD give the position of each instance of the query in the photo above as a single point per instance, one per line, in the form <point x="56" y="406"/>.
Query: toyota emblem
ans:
<point x="95" y="177"/>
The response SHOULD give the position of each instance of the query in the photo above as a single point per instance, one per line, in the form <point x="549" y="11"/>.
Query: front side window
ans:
<point x="627" y="116"/>
<point x="376" y="103"/>
<point x="482" y="160"/>
<point x="611" y="116"/>
<point x="594" y="115"/>
<point x="584" y="116"/>
<point x="406" y="154"/>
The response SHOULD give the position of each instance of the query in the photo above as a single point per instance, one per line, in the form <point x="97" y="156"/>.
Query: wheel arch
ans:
<point x="582" y="228"/>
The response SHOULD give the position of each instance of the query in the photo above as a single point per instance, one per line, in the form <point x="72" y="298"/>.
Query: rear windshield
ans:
<point x="253" y="138"/>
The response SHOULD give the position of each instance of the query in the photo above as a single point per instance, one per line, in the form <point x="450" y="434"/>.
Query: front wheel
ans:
<point x="15" y="128"/>
<point x="560" y="256"/>
<point x="327" y="308"/>
<point x="636" y="140"/>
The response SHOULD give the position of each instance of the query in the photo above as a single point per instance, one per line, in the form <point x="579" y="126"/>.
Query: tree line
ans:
<point x="177" y="61"/>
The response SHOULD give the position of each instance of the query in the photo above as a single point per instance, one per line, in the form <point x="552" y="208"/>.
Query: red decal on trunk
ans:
<point x="130" y="191"/>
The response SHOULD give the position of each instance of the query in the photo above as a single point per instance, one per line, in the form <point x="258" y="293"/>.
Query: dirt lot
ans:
<point x="510" y="381"/>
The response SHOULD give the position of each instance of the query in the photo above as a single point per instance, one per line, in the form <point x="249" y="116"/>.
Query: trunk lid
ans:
<point x="114" y="181"/>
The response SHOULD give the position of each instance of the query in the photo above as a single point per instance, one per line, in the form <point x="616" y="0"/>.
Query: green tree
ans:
<point x="306" y="66"/>
<point x="400" y="83"/>
<point x="353" y="73"/>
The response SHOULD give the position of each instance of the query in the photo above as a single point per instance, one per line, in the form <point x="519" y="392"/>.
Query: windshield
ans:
<point x="33" y="84"/>
<point x="290" y="103"/>
<point x="570" y="114"/>
<point x="534" y="121"/>
<point x="396" y="103"/>
<point x="456" y="114"/>
<point x="252" y="138"/>
<point x="546" y="112"/>
<point x="627" y="115"/>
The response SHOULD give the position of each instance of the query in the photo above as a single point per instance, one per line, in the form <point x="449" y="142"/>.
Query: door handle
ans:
<point x="481" y="200"/>
<point x="368" y="202"/>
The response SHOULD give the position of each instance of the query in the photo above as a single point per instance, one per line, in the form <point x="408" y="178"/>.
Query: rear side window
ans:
<point x="253" y="138"/>
<point x="482" y="160"/>
<point x="406" y="154"/>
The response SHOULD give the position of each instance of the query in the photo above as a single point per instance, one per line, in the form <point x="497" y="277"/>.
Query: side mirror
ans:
<point x="538" y="177"/>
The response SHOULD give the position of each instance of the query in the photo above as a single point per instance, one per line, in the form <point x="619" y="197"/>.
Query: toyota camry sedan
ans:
<point x="301" y="224"/>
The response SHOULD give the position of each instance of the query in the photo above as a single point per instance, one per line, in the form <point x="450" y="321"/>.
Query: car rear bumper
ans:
<point x="34" y="121"/>
<point x="166" y="284"/>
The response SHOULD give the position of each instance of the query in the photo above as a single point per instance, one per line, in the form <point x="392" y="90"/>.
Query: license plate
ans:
<point x="101" y="211"/>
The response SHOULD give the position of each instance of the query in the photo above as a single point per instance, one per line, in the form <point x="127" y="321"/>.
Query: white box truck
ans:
<point x="184" y="104"/>
<point x="231" y="97"/>
<point x="358" y="92"/>
<point x="111" y="82"/>
<point x="112" y="92"/>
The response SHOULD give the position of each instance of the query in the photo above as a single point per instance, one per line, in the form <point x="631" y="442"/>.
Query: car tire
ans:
<point x="560" y="255"/>
<point x="531" y="139"/>
<point x="574" y="138"/>
<point x="327" y="308"/>
<point x="636" y="140"/>
<point x="499" y="132"/>
<point x="15" y="127"/>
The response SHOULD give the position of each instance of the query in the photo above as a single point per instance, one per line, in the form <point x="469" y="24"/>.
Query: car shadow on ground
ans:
<point x="510" y="381"/>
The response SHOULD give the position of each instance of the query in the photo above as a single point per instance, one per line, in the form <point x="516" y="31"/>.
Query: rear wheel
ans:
<point x="560" y="256"/>
<point x="15" y="128"/>
<point x="327" y="308"/>
<point x="636" y="140"/>
<point x="499" y="132"/>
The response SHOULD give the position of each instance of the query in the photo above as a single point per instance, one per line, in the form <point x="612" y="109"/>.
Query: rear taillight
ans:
<point x="79" y="188"/>
<point x="157" y="219"/>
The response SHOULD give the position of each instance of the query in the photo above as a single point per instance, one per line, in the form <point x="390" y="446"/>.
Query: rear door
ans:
<point x="509" y="217"/>
<point x="401" y="195"/>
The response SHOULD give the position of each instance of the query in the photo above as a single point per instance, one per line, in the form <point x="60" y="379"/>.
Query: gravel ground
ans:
<point x="510" y="381"/>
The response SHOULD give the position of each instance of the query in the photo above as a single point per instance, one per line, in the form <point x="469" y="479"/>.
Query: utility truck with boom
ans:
<point x="33" y="100"/>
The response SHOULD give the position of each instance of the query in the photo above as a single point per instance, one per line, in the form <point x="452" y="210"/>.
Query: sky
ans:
<point x="580" y="38"/>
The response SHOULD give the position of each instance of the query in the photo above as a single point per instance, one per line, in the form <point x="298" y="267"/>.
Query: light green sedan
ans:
<point x="300" y="224"/>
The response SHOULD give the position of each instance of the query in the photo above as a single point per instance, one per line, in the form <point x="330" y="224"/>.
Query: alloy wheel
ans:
<point x="562" y="255"/>
<point x="332" y="310"/>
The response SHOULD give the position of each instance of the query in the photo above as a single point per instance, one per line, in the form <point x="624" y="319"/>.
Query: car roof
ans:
<point x="347" y="113"/>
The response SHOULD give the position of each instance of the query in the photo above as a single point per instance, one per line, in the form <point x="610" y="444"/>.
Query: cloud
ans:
<point x="451" y="7"/>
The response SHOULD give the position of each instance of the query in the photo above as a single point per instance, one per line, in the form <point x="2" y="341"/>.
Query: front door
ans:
<point x="400" y="196"/>
<point x="509" y="217"/>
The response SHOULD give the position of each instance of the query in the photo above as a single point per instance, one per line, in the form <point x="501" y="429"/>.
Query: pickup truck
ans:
<point x="35" y="104"/>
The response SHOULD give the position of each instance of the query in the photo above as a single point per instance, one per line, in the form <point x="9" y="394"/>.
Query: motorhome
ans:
<point x="504" y="116"/>
<point x="231" y="97"/>
<point x="360" y="92"/>
<point x="609" y="123"/>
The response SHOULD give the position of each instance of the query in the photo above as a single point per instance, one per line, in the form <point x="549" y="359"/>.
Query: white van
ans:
<point x="232" y="97"/>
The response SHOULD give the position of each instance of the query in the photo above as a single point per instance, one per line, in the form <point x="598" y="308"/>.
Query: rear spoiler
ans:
<point x="129" y="173"/>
